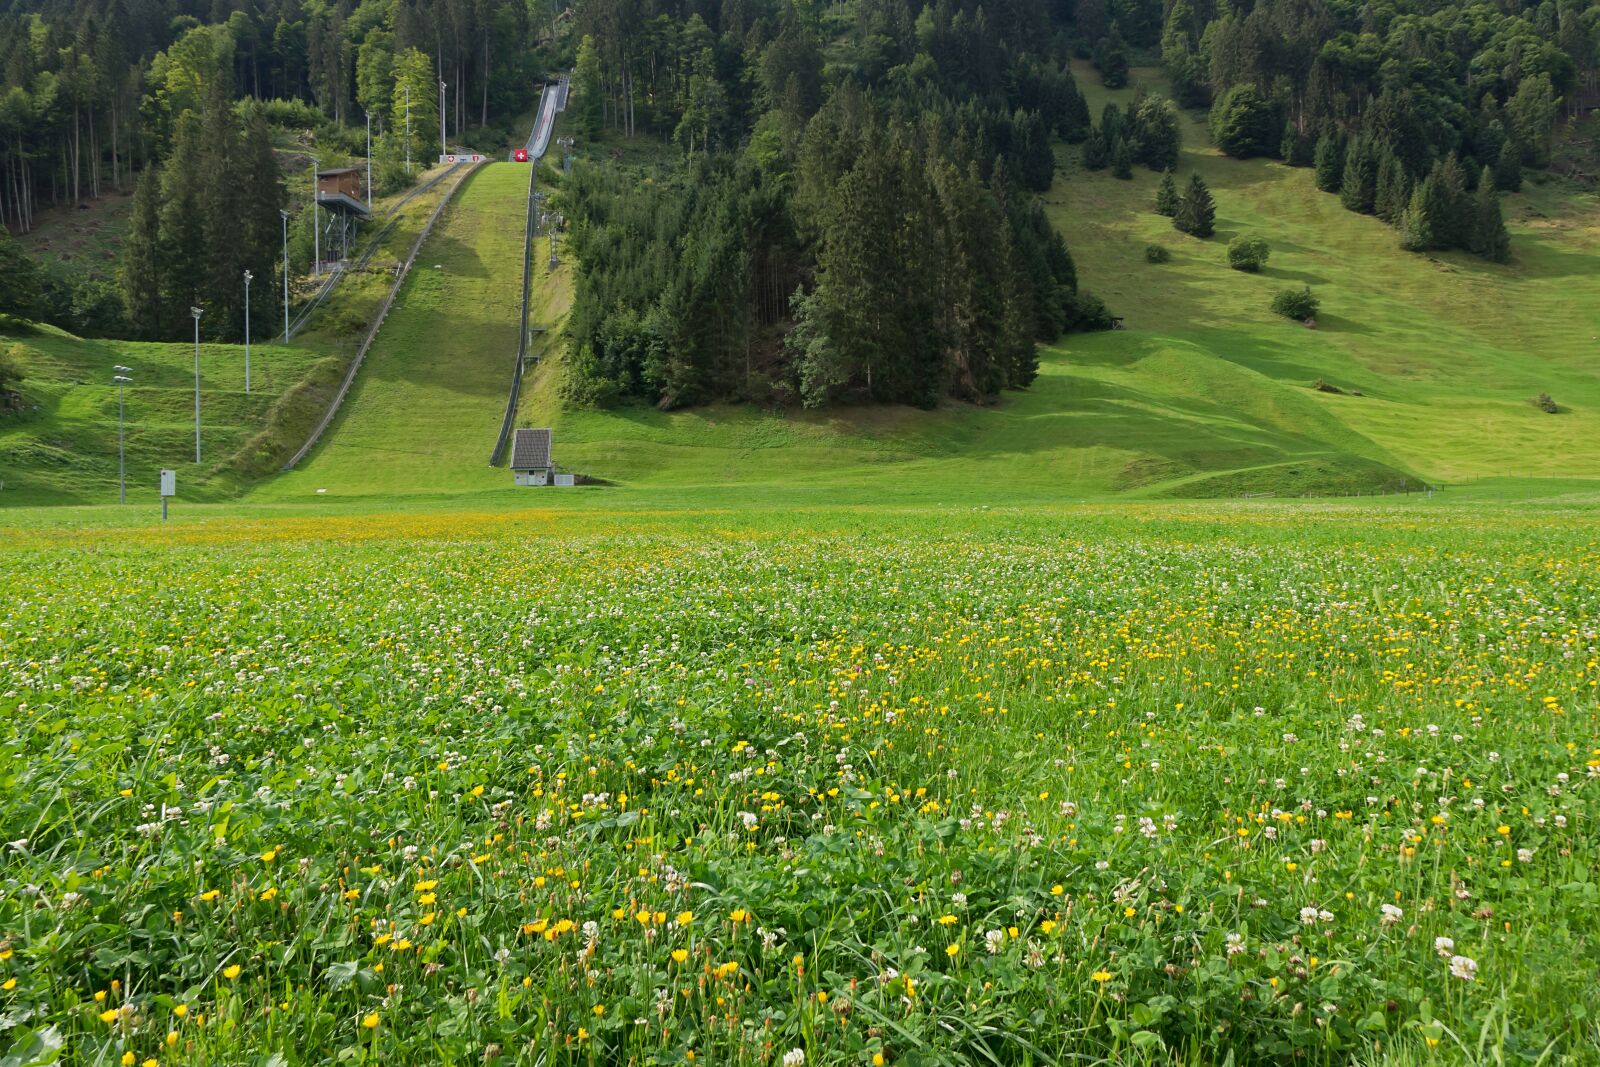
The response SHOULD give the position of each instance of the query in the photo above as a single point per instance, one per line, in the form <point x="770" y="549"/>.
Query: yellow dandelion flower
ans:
<point x="231" y="971"/>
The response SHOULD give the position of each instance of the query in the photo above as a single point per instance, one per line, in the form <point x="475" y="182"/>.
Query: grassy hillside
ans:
<point x="423" y="414"/>
<point x="1206" y="392"/>
<point x="62" y="448"/>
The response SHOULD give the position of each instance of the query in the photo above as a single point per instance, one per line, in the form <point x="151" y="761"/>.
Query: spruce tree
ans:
<point x="1197" y="212"/>
<point x="222" y="221"/>
<point x="1096" y="152"/>
<point x="1358" y="188"/>
<point x="1416" y="229"/>
<point x="262" y="197"/>
<point x="141" y="270"/>
<point x="1111" y="57"/>
<point x="1111" y="122"/>
<point x="1121" y="160"/>
<point x="1167" y="196"/>
<point x="1394" y="189"/>
<point x="1295" y="148"/>
<point x="1449" y="206"/>
<point x="182" y="259"/>
<point x="1329" y="162"/>
<point x="1489" y="237"/>
<point x="1508" y="168"/>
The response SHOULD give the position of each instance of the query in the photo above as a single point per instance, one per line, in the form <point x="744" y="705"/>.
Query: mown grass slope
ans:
<point x="425" y="409"/>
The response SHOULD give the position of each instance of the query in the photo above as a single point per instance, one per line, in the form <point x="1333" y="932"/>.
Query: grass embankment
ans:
<point x="423" y="414"/>
<point x="62" y="447"/>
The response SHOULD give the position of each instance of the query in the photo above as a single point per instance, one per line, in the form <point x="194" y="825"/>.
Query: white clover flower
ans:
<point x="1391" y="914"/>
<point x="749" y="819"/>
<point x="794" y="1057"/>
<point x="1308" y="916"/>
<point x="1444" y="946"/>
<point x="994" y="941"/>
<point x="1525" y="855"/>
<point x="1464" y="967"/>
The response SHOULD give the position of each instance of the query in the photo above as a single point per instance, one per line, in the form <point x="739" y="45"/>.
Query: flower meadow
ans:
<point x="1262" y="785"/>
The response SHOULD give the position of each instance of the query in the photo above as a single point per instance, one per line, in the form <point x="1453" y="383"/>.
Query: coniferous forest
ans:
<point x="199" y="108"/>
<point x="840" y="200"/>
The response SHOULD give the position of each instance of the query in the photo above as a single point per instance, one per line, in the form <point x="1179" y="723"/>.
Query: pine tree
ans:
<point x="1329" y="162"/>
<point x="1508" y="168"/>
<point x="1294" y="147"/>
<point x="222" y="221"/>
<point x="1096" y="152"/>
<point x="141" y="271"/>
<point x="262" y="198"/>
<point x="1111" y="57"/>
<point x="1197" y="212"/>
<point x="1416" y="229"/>
<point x="1121" y="160"/>
<point x="1358" y="187"/>
<point x="1489" y="237"/>
<point x="1394" y="189"/>
<point x="1449" y="207"/>
<point x="1111" y="122"/>
<point x="1167" y="196"/>
<point x="182" y="258"/>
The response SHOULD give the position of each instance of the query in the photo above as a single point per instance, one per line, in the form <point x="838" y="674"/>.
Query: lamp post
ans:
<point x="442" y="149"/>
<point x="122" y="466"/>
<point x="196" y="312"/>
<point x="408" y="130"/>
<point x="247" y="277"/>
<point x="316" y="225"/>
<point x="285" y="216"/>
<point x="369" y="161"/>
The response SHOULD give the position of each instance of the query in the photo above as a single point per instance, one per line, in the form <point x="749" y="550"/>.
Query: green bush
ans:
<point x="1248" y="253"/>
<point x="1297" y="304"/>
<point x="1156" y="254"/>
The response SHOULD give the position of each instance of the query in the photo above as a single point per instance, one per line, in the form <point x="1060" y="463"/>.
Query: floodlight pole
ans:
<point x="316" y="225"/>
<point x="443" y="151"/>
<point x="122" y="463"/>
<point x="196" y="312"/>
<point x="247" y="277"/>
<point x="369" y="161"/>
<point x="408" y="130"/>
<point x="285" y="215"/>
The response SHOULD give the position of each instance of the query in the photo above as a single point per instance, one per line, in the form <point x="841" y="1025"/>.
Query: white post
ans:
<point x="196" y="313"/>
<point x="247" y="277"/>
<point x="285" y="215"/>
<point x="408" y="130"/>
<point x="442" y="149"/>
<point x="369" y="161"/>
<point x="122" y="466"/>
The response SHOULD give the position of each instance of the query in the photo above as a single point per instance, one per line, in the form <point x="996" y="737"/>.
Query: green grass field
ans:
<point x="1124" y="783"/>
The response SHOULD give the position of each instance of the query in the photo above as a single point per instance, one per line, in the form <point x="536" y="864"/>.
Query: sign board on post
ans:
<point x="169" y="488"/>
<point x="461" y="157"/>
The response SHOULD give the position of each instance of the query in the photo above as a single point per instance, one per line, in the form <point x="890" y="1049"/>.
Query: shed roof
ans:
<point x="336" y="171"/>
<point x="530" y="449"/>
